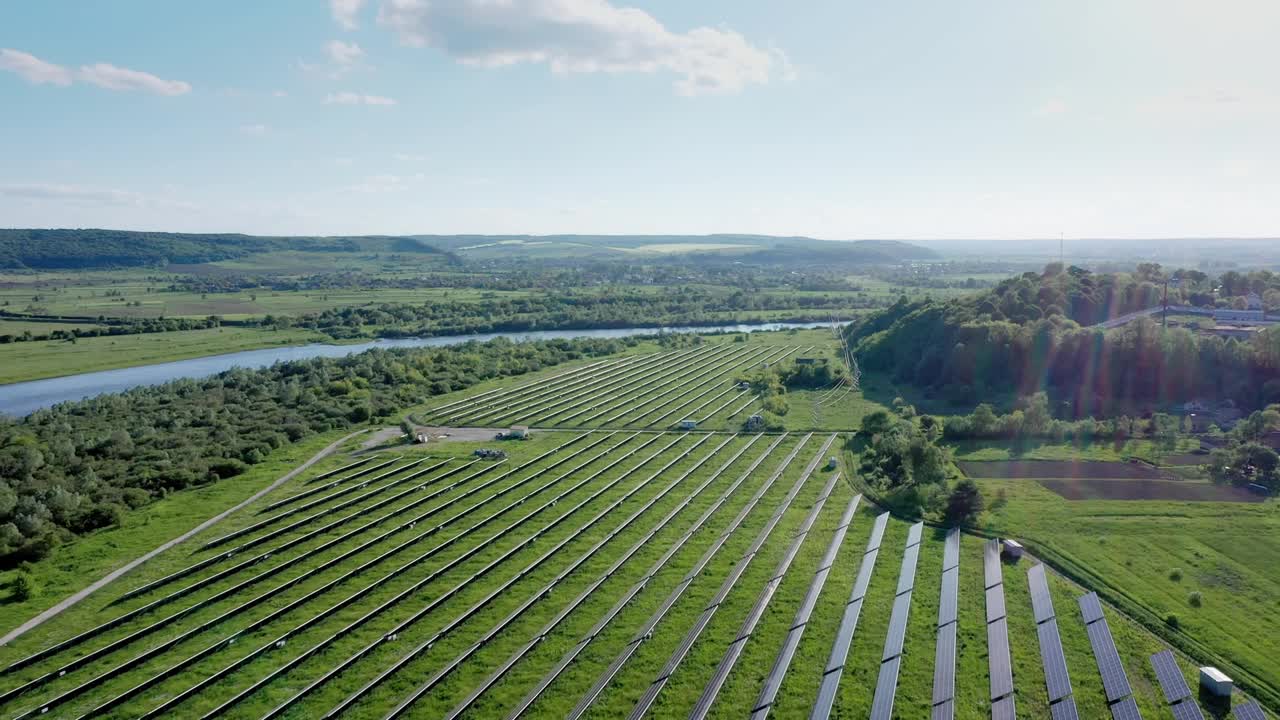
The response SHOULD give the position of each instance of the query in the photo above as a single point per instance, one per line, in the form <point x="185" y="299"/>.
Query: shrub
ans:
<point x="1171" y="620"/>
<point x="1195" y="600"/>
<point x="23" y="588"/>
<point x="1175" y="574"/>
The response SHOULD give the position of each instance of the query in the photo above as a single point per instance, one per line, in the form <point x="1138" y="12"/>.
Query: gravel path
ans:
<point x="82" y="594"/>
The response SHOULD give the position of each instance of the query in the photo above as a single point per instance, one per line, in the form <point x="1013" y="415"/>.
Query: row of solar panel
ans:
<point x="280" y="640"/>
<point x="416" y="586"/>
<point x="944" y="661"/>
<point x="891" y="658"/>
<point x="999" y="665"/>
<point x="848" y="624"/>
<point x="678" y="655"/>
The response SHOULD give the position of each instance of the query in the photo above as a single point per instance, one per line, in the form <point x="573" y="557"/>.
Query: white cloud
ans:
<point x="279" y="94"/>
<point x="408" y="157"/>
<point x="384" y="183"/>
<point x="580" y="36"/>
<point x="106" y="75"/>
<point x="33" y="69"/>
<point x="345" y="12"/>
<point x="350" y="98"/>
<point x="72" y="193"/>
<point x="255" y="129"/>
<point x="343" y="53"/>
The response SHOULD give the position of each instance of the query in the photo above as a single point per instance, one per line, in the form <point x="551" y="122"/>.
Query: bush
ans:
<point x="23" y="588"/>
<point x="1175" y="574"/>
<point x="1171" y="620"/>
<point x="1195" y="600"/>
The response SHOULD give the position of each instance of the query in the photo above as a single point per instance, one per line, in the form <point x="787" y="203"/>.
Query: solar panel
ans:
<point x="995" y="603"/>
<point x="998" y="659"/>
<point x="1249" y="711"/>
<point x="951" y="549"/>
<point x="897" y="626"/>
<point x="1114" y="680"/>
<point x="944" y="665"/>
<point x="886" y="687"/>
<point x="949" y="596"/>
<point x="864" y="575"/>
<point x="1064" y="710"/>
<point x="1170" y="677"/>
<point x="1004" y="709"/>
<point x="1187" y="710"/>
<point x="1055" y="664"/>
<point x="1126" y="709"/>
<point x="944" y="711"/>
<point x="844" y="636"/>
<point x="907" y="578"/>
<point x="877" y="531"/>
<point x="1041" y="601"/>
<point x="1090" y="608"/>
<point x="991" y="563"/>
<point x="913" y="534"/>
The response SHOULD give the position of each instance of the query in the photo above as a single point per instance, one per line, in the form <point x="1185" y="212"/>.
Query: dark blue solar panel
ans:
<point x="877" y="531"/>
<point x="1041" y="601"/>
<point x="1055" y="664"/>
<point x="914" y="534"/>
<point x="907" y="577"/>
<point x="1064" y="710"/>
<point x="951" y="549"/>
<point x="995" y="603"/>
<point x="1004" y="709"/>
<point x="998" y="658"/>
<point x="991" y="563"/>
<point x="886" y="687"/>
<point x="1187" y="710"/>
<point x="944" y="664"/>
<point x="1249" y="711"/>
<point x="1114" y="680"/>
<point x="1170" y="677"/>
<point x="949" y="596"/>
<point x="864" y="575"/>
<point x="1090" y="608"/>
<point x="897" y="626"/>
<point x="944" y="711"/>
<point x="1126" y="709"/>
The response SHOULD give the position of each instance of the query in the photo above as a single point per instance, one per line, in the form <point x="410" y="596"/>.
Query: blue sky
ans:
<point x="832" y="118"/>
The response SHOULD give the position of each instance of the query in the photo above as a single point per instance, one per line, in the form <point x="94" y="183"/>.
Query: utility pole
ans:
<point x="1165" y="319"/>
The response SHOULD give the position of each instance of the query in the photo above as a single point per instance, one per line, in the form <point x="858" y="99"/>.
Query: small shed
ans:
<point x="832" y="463"/>
<point x="1215" y="681"/>
<point x="1012" y="549"/>
<point x="518" y="432"/>
<point x="688" y="424"/>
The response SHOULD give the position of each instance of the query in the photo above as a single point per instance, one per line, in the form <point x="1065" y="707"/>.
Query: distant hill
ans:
<point x="762" y="249"/>
<point x="93" y="248"/>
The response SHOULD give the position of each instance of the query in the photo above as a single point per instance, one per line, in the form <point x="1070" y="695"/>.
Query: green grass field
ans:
<point x="53" y="358"/>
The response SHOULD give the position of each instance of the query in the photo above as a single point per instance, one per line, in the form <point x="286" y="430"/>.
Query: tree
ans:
<point x="965" y="503"/>
<point x="22" y="587"/>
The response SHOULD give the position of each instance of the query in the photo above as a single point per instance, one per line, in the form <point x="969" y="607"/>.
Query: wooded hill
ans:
<point x="1026" y="336"/>
<point x="105" y="249"/>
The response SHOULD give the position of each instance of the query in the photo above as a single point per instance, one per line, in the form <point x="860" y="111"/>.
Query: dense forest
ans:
<point x="1028" y="335"/>
<point x="77" y="466"/>
<point x="101" y="249"/>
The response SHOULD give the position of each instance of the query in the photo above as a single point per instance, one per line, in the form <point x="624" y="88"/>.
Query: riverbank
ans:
<point x="131" y="367"/>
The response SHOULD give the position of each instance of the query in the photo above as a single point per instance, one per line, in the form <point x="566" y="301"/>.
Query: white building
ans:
<point x="1213" y="680"/>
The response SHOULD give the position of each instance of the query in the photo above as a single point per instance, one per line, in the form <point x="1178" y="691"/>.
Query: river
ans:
<point x="23" y="398"/>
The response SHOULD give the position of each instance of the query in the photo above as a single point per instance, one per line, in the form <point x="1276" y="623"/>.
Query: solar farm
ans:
<point x="639" y="556"/>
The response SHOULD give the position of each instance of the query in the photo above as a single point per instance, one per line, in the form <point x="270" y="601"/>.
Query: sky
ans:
<point x="839" y="119"/>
